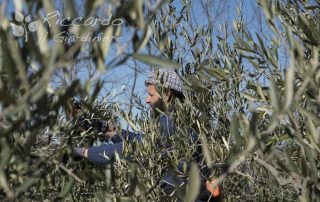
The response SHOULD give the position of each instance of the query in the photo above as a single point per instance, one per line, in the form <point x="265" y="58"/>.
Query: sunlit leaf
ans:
<point x="157" y="61"/>
<point x="289" y="92"/>
<point x="194" y="183"/>
<point x="249" y="97"/>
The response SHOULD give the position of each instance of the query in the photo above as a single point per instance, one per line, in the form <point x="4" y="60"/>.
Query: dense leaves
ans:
<point x="252" y="98"/>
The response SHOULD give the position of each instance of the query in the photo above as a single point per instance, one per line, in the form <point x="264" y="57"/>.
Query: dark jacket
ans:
<point x="105" y="153"/>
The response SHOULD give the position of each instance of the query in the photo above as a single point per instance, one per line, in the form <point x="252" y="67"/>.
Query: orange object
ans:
<point x="215" y="191"/>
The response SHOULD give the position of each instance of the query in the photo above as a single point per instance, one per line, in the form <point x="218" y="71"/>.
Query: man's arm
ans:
<point x="105" y="153"/>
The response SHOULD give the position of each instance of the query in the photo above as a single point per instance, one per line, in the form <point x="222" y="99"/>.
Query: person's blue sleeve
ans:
<point x="183" y="166"/>
<point x="170" y="183"/>
<point x="126" y="135"/>
<point x="104" y="153"/>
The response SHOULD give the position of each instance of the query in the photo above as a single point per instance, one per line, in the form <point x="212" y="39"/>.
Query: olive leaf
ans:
<point x="157" y="61"/>
<point x="194" y="183"/>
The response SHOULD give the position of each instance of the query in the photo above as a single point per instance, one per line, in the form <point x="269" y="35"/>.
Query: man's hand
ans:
<point x="80" y="152"/>
<point x="109" y="129"/>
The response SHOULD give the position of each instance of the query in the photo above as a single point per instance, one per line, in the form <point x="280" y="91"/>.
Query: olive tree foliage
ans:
<point x="255" y="97"/>
<point x="282" y="134"/>
<point x="35" y="112"/>
<point x="257" y="117"/>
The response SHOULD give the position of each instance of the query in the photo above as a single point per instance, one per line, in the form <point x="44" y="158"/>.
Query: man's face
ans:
<point x="153" y="98"/>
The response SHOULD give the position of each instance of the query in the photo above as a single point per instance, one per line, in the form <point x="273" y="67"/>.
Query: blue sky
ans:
<point x="123" y="75"/>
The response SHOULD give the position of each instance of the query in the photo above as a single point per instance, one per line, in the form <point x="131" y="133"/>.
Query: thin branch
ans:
<point x="68" y="171"/>
<point x="282" y="181"/>
<point x="134" y="85"/>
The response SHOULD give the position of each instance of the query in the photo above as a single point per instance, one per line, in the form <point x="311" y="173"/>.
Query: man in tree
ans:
<point x="164" y="88"/>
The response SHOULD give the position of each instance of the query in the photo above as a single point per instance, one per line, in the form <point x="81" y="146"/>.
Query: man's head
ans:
<point x="168" y="82"/>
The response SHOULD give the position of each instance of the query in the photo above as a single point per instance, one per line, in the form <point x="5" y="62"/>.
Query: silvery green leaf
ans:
<point x="274" y="97"/>
<point x="42" y="39"/>
<point x="138" y="9"/>
<point x="157" y="61"/>
<point x="17" y="29"/>
<point x="33" y="26"/>
<point x="194" y="183"/>
<point x="105" y="44"/>
<point x="18" y="4"/>
<point x="146" y="36"/>
<point x="117" y="157"/>
<point x="249" y="97"/>
<point x="196" y="84"/>
<point x="18" y="16"/>
<point x="289" y="87"/>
